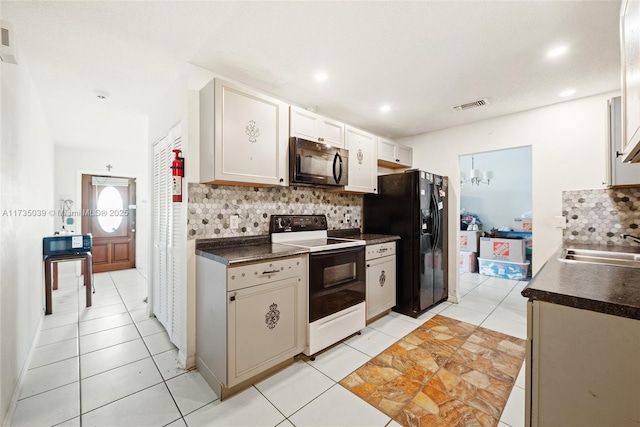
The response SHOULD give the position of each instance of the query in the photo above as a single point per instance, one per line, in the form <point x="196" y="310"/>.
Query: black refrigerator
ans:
<point x="413" y="205"/>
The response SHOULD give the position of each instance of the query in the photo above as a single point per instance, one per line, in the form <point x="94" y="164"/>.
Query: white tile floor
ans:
<point x="111" y="365"/>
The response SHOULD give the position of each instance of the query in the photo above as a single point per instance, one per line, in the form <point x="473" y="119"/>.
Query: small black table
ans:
<point x="49" y="279"/>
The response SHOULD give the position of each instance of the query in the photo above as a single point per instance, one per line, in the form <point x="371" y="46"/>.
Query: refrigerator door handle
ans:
<point x="436" y="223"/>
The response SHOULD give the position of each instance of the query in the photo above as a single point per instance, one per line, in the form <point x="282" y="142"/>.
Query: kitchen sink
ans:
<point x="592" y="256"/>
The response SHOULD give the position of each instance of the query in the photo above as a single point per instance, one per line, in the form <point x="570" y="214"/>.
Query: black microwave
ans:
<point x="316" y="163"/>
<point x="66" y="244"/>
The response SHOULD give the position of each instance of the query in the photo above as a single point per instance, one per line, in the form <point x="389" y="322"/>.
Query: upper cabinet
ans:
<point x="392" y="155"/>
<point x="618" y="173"/>
<point x="313" y="127"/>
<point x="630" y="54"/>
<point x="362" y="146"/>
<point x="243" y="136"/>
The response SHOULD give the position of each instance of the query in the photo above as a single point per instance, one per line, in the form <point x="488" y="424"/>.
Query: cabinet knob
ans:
<point x="619" y="154"/>
<point x="398" y="160"/>
<point x="368" y="265"/>
<point x="281" y="179"/>
<point x="321" y="139"/>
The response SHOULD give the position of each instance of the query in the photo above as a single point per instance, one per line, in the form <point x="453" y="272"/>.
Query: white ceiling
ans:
<point x="420" y="57"/>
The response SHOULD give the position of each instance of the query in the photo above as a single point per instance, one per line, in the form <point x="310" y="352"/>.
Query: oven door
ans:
<point x="336" y="281"/>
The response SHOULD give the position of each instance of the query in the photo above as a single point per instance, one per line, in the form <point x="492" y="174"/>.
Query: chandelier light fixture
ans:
<point x="476" y="176"/>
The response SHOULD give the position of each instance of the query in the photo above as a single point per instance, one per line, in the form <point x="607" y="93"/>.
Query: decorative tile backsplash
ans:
<point x="600" y="216"/>
<point x="210" y="207"/>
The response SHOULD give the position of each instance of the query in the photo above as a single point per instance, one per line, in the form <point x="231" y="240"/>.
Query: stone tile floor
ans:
<point x="444" y="373"/>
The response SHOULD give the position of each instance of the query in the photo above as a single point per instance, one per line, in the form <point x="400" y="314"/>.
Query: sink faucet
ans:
<point x="631" y="237"/>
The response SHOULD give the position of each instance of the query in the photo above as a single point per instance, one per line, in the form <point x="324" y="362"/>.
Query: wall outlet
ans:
<point x="234" y="221"/>
<point x="561" y="221"/>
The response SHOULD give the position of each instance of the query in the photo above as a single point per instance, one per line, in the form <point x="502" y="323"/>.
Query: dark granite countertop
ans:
<point x="371" y="239"/>
<point x="238" y="250"/>
<point x="602" y="288"/>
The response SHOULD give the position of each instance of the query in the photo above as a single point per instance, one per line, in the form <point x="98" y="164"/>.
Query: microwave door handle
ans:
<point x="337" y="158"/>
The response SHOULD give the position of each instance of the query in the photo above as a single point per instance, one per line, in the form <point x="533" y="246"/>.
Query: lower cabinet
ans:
<point x="262" y="327"/>
<point x="249" y="319"/>
<point x="381" y="278"/>
<point x="582" y="368"/>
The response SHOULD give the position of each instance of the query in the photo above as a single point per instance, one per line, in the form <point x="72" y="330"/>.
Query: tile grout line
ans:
<point x="164" y="380"/>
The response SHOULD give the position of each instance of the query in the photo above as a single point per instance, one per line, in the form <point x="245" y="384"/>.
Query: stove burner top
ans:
<point x="307" y="231"/>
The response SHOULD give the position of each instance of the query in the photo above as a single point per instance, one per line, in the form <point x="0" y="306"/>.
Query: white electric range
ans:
<point x="336" y="278"/>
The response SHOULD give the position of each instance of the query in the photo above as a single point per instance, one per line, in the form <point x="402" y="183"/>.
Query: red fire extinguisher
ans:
<point x="177" y="171"/>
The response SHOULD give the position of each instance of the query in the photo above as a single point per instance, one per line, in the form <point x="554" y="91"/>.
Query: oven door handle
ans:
<point x="336" y="251"/>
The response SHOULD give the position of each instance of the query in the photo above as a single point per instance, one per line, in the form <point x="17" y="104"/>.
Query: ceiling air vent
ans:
<point x="469" y="105"/>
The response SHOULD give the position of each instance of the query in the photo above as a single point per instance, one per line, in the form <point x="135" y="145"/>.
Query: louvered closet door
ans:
<point x="169" y="242"/>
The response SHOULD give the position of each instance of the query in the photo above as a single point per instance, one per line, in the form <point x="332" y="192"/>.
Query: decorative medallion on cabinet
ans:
<point x="243" y="136"/>
<point x="363" y="172"/>
<point x="272" y="316"/>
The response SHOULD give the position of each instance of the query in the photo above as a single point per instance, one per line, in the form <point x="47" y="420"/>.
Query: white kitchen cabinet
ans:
<point x="630" y="68"/>
<point x="619" y="174"/>
<point x="243" y="136"/>
<point x="363" y="155"/>
<point x="314" y="127"/>
<point x="581" y="368"/>
<point x="250" y="319"/>
<point x="393" y="155"/>
<point x="381" y="278"/>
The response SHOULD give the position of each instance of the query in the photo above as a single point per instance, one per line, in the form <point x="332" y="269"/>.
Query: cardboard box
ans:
<point x="469" y="241"/>
<point x="520" y="224"/>
<point x="503" y="269"/>
<point x="512" y="250"/>
<point x="468" y="262"/>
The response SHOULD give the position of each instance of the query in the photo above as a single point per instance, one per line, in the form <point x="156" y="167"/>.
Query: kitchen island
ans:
<point x="583" y="344"/>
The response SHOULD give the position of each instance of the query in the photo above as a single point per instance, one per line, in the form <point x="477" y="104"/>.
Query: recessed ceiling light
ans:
<point x="567" y="92"/>
<point x="385" y="108"/>
<point x="321" y="77"/>
<point x="557" y="51"/>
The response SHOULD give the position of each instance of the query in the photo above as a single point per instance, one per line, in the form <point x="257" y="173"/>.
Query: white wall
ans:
<point x="70" y="163"/>
<point x="568" y="152"/>
<point x="507" y="196"/>
<point x="26" y="178"/>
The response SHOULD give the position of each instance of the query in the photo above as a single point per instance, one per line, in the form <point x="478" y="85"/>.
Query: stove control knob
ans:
<point x="315" y="219"/>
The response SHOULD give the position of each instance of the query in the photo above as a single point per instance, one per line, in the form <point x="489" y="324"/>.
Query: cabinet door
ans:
<point x="264" y="326"/>
<point x="362" y="146"/>
<point x="332" y="132"/>
<point x="630" y="69"/>
<point x="250" y="136"/>
<point x="618" y="173"/>
<point x="381" y="285"/>
<point x="304" y="124"/>
<point x="404" y="155"/>
<point x="386" y="150"/>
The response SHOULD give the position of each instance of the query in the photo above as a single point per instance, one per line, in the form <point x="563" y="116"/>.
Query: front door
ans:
<point x="109" y="214"/>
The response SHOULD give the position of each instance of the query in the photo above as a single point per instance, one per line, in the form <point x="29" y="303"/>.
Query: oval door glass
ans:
<point x="109" y="201"/>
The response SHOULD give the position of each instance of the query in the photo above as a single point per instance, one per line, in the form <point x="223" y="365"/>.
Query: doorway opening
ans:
<point x="109" y="214"/>
<point x="496" y="202"/>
